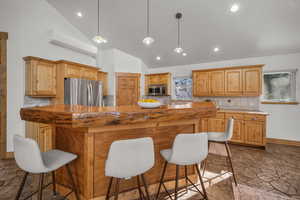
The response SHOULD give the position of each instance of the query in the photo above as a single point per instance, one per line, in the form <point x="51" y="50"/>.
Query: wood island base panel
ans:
<point x="89" y="132"/>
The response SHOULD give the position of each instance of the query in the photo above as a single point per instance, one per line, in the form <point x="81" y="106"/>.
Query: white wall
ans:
<point x="28" y="23"/>
<point x="283" y="122"/>
<point x="114" y="60"/>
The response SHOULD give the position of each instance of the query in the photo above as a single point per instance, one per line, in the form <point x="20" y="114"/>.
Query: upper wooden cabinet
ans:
<point x="40" y="77"/>
<point x="252" y="81"/>
<point x="233" y="81"/>
<point x="217" y="82"/>
<point x="202" y="87"/>
<point x="158" y="79"/>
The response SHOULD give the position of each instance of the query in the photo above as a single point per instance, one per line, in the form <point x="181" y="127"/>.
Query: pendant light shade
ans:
<point x="178" y="49"/>
<point x="148" y="40"/>
<point x="98" y="38"/>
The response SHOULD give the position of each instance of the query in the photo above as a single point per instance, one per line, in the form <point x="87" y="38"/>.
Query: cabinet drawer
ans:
<point x="220" y="116"/>
<point x="254" y="117"/>
<point x="234" y="116"/>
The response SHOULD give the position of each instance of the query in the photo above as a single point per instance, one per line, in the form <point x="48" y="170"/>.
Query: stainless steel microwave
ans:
<point x="157" y="90"/>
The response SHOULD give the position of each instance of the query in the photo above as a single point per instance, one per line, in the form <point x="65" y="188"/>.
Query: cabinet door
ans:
<point x="233" y="82"/>
<point x="217" y="82"/>
<point x="238" y="131"/>
<point x="216" y="125"/>
<point x="45" y="79"/>
<point x="201" y="85"/>
<point x="254" y="132"/>
<point x="204" y="125"/>
<point x="252" y="78"/>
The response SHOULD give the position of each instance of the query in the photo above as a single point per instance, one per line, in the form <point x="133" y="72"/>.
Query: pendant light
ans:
<point x="178" y="49"/>
<point x="148" y="40"/>
<point x="98" y="38"/>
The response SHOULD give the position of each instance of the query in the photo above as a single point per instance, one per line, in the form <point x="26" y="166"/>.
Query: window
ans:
<point x="183" y="88"/>
<point x="280" y="86"/>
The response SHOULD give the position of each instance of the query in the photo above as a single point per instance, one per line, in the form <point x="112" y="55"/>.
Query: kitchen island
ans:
<point x="89" y="132"/>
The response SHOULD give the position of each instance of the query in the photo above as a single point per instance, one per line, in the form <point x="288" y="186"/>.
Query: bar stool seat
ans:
<point x="188" y="149"/>
<point x="55" y="159"/>
<point x="30" y="159"/>
<point x="129" y="158"/>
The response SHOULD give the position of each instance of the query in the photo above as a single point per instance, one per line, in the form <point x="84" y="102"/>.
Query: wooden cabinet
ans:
<point x="217" y="82"/>
<point x="233" y="81"/>
<point x="40" y="77"/>
<point x="89" y="74"/>
<point x="248" y="129"/>
<point x="201" y="88"/>
<point x="158" y="79"/>
<point x="102" y="76"/>
<point x="252" y="81"/>
<point x="128" y="88"/>
<point x="41" y="133"/>
<point x="72" y="71"/>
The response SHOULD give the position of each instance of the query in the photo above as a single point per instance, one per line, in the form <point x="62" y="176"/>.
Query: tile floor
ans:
<point x="271" y="174"/>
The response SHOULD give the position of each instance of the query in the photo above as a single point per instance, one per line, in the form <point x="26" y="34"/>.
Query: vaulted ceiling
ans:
<point x="259" y="28"/>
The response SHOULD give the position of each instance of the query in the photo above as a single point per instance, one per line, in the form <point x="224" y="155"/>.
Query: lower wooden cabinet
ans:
<point x="248" y="129"/>
<point x="41" y="133"/>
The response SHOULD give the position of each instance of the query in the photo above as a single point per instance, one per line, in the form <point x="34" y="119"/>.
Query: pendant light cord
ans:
<point x="98" y="17"/>
<point x="148" y="18"/>
<point x="178" y="41"/>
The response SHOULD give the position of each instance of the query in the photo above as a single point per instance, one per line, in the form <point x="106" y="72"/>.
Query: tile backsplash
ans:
<point x="248" y="103"/>
<point x="30" y="101"/>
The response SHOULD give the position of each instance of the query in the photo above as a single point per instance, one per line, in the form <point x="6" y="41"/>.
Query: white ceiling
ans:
<point x="260" y="28"/>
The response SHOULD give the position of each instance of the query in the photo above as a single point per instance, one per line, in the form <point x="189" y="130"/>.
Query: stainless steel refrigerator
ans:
<point x="83" y="92"/>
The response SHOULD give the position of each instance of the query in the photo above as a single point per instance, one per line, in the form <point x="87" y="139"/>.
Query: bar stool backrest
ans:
<point x="128" y="158"/>
<point x="189" y="149"/>
<point x="28" y="155"/>
<point x="229" y="129"/>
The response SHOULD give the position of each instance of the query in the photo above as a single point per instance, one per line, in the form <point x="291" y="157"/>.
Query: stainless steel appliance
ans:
<point x="157" y="90"/>
<point x="83" y="92"/>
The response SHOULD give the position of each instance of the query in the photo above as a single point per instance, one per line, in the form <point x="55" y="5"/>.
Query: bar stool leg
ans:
<point x="205" y="161"/>
<point x="145" y="186"/>
<point x="54" y="183"/>
<point x="109" y="187"/>
<point x="139" y="188"/>
<point x="72" y="182"/>
<point x="230" y="162"/>
<point x="117" y="189"/>
<point x="186" y="178"/>
<point x="161" y="180"/>
<point x="41" y="181"/>
<point x="21" y="186"/>
<point x="201" y="181"/>
<point x="176" y="181"/>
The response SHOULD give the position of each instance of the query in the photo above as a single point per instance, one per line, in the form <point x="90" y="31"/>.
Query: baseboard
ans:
<point x="283" y="141"/>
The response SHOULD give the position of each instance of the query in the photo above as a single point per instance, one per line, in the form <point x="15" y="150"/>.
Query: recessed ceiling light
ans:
<point x="234" y="8"/>
<point x="158" y="58"/>
<point x="184" y="54"/>
<point x="216" y="49"/>
<point x="79" y="14"/>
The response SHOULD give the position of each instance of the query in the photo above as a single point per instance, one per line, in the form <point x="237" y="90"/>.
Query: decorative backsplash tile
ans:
<point x="248" y="103"/>
<point x="30" y="102"/>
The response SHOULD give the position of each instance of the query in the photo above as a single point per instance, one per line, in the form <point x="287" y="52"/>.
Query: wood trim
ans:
<point x="226" y="68"/>
<point x="3" y="94"/>
<point x="3" y="36"/>
<point x="78" y="64"/>
<point x="286" y="103"/>
<point x="29" y="58"/>
<point x="167" y="73"/>
<point x="283" y="141"/>
<point x="128" y="74"/>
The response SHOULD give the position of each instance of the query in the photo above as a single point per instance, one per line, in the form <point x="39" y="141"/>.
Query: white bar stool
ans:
<point x="188" y="149"/>
<point x="129" y="158"/>
<point x="223" y="138"/>
<point x="30" y="159"/>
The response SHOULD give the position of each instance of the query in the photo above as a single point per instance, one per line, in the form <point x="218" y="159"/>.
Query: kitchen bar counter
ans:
<point x="89" y="132"/>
